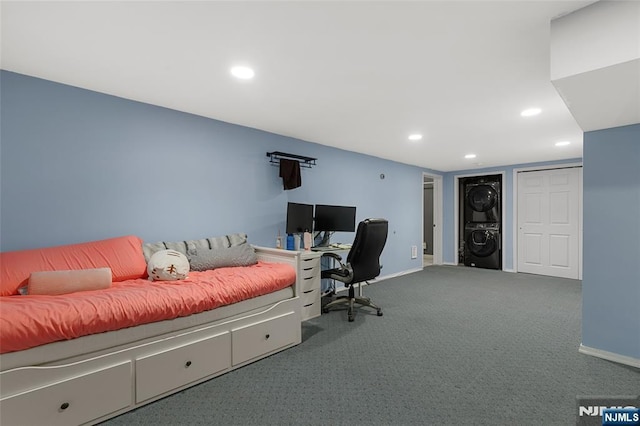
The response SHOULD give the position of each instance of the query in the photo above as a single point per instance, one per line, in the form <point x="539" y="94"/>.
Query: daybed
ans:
<point x="85" y="356"/>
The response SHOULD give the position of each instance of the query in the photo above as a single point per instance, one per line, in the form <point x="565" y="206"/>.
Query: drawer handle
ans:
<point x="267" y="336"/>
<point x="188" y="364"/>
<point x="64" y="406"/>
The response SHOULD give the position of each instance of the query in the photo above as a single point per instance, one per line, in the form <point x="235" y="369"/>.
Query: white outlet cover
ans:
<point x="414" y="252"/>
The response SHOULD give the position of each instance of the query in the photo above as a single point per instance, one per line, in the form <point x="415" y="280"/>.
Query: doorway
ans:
<point x="481" y="221"/>
<point x="478" y="227"/>
<point x="427" y="240"/>
<point x="432" y="220"/>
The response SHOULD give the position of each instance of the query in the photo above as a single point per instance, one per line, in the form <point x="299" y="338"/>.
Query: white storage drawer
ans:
<point x="310" y="301"/>
<point x="309" y="268"/>
<point x="262" y="337"/>
<point x="70" y="402"/>
<point x="167" y="370"/>
<point x="311" y="310"/>
<point x="311" y="283"/>
<point x="309" y="273"/>
<point x="310" y="297"/>
<point x="308" y="284"/>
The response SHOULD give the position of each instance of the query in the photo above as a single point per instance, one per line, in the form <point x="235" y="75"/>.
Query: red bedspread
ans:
<point x="29" y="321"/>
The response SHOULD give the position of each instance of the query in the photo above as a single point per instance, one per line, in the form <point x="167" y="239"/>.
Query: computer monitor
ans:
<point x="335" y="218"/>
<point x="299" y="218"/>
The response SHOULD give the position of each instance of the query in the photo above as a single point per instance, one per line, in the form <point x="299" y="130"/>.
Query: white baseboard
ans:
<point x="450" y="263"/>
<point x="513" y="271"/>
<point x="609" y="356"/>
<point x="398" y="274"/>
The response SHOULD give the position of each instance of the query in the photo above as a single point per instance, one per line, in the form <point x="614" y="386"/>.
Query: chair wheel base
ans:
<point x="349" y="302"/>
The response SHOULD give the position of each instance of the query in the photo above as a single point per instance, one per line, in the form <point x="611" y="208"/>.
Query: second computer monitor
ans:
<point x="335" y="218"/>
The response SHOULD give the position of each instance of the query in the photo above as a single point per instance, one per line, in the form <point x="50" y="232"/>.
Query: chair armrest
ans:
<point x="335" y="257"/>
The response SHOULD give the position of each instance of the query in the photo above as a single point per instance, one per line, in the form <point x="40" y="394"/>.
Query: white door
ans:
<point x="549" y="222"/>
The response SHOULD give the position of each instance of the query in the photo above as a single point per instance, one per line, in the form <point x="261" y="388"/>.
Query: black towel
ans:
<point x="290" y="173"/>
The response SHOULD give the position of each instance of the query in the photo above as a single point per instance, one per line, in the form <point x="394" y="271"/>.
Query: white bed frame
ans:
<point x="75" y="386"/>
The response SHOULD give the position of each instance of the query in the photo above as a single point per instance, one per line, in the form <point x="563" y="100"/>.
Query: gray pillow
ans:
<point x="202" y="259"/>
<point x="185" y="246"/>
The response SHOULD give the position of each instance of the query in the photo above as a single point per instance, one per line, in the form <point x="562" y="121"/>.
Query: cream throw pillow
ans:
<point x="62" y="282"/>
<point x="168" y="265"/>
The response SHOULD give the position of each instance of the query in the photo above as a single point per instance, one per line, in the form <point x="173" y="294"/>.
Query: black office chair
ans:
<point x="363" y="264"/>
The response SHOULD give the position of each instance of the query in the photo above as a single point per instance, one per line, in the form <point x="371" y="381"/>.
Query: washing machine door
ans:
<point x="481" y="243"/>
<point x="482" y="198"/>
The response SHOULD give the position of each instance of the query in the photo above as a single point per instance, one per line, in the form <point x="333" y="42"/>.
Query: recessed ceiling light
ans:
<point x="563" y="143"/>
<point x="415" y="137"/>
<point x="470" y="156"/>
<point x="244" y="73"/>
<point x="530" y="112"/>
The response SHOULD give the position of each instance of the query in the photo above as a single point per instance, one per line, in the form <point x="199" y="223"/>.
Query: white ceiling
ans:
<point x="356" y="75"/>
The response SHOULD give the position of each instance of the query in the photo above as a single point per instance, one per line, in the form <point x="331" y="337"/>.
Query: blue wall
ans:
<point x="611" y="273"/>
<point x="77" y="165"/>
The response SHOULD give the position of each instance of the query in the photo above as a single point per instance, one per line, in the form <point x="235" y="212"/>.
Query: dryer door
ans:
<point x="481" y="243"/>
<point x="482" y="198"/>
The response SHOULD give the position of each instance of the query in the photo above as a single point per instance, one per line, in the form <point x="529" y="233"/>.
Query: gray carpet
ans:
<point x="455" y="346"/>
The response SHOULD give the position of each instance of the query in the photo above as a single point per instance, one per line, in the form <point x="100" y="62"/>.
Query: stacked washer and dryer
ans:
<point x="482" y="221"/>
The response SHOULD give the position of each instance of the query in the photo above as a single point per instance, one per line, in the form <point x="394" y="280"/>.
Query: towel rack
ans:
<point x="275" y="156"/>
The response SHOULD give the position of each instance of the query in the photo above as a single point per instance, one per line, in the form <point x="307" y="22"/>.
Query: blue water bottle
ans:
<point x="290" y="242"/>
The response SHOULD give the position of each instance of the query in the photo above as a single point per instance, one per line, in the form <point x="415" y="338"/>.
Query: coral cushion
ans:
<point x="122" y="254"/>
<point x="34" y="320"/>
<point x="63" y="282"/>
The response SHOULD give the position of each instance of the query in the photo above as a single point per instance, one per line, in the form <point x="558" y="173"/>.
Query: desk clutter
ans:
<point x="340" y="246"/>
<point x="294" y="241"/>
<point x="332" y="247"/>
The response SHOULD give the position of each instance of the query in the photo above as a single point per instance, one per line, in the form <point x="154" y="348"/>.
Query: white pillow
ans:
<point x="168" y="265"/>
<point x="63" y="282"/>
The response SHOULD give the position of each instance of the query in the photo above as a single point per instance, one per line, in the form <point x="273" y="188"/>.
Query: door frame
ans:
<point x="515" y="208"/>
<point x="456" y="211"/>
<point x="437" y="216"/>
